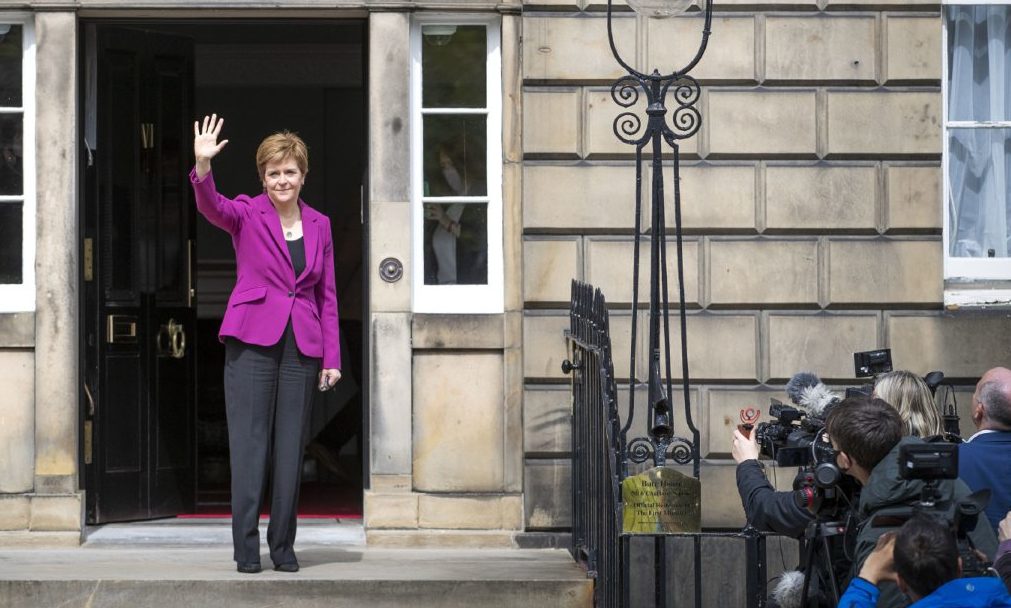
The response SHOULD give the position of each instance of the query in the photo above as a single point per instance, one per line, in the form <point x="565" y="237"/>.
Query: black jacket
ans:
<point x="887" y="494"/>
<point x="767" y="509"/>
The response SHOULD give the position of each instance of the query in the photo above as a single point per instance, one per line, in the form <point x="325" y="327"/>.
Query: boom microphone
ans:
<point x="789" y="591"/>
<point x="799" y="382"/>
<point x="807" y="391"/>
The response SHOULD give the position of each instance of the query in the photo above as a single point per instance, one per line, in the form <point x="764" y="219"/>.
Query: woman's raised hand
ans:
<point x="205" y="142"/>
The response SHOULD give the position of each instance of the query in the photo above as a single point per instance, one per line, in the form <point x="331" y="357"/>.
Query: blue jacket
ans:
<point x="958" y="593"/>
<point x="985" y="462"/>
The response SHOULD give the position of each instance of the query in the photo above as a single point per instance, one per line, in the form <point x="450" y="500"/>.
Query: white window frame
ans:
<point x="21" y="297"/>
<point x="962" y="270"/>
<point x="459" y="299"/>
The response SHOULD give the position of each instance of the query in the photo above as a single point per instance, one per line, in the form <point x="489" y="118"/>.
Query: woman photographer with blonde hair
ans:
<point x="910" y="395"/>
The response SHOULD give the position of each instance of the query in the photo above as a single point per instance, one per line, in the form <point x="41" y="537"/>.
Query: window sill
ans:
<point x="977" y="299"/>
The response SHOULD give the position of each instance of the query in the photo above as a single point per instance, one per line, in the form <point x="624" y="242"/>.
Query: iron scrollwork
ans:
<point x="685" y="118"/>
<point x="678" y="449"/>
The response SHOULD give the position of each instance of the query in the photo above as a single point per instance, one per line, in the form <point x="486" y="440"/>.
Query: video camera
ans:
<point x="873" y="363"/>
<point x="794" y="437"/>
<point x="932" y="462"/>
<point x="870" y="364"/>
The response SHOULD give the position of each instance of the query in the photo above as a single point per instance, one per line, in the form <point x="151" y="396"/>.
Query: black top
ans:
<point x="297" y="250"/>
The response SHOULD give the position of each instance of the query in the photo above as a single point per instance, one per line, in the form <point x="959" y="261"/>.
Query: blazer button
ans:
<point x="291" y="294"/>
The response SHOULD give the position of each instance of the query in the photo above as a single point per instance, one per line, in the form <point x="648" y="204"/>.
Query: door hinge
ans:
<point x="89" y="259"/>
<point x="88" y="443"/>
<point x="147" y="135"/>
<point x="190" y="291"/>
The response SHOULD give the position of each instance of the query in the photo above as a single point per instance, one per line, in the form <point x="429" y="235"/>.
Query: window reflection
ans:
<point x="456" y="243"/>
<point x="11" y="155"/>
<point x="11" y="237"/>
<point x="979" y="167"/>
<point x="455" y="162"/>
<point x="453" y="66"/>
<point x="10" y="65"/>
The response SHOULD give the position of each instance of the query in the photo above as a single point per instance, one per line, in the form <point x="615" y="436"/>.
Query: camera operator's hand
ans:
<point x="880" y="564"/>
<point x="1004" y="528"/>
<point x="744" y="448"/>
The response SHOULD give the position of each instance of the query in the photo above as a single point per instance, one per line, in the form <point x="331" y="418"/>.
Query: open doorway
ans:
<point x="262" y="77"/>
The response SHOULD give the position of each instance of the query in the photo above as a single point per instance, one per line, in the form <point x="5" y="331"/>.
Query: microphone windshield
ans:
<point x="818" y="399"/>
<point x="800" y="381"/>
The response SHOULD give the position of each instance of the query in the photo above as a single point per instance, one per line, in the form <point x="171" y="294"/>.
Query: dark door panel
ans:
<point x="140" y="314"/>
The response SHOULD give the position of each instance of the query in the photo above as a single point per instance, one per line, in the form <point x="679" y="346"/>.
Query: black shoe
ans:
<point x="287" y="567"/>
<point x="248" y="567"/>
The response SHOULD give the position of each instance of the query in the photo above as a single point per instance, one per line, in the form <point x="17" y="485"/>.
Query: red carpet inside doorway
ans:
<point x="316" y="501"/>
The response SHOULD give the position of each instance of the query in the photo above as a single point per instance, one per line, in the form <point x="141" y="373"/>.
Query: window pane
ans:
<point x="11" y="155"/>
<point x="11" y="235"/>
<point x="10" y="65"/>
<point x="455" y="149"/>
<point x="979" y="180"/>
<point x="979" y="61"/>
<point x="453" y="66"/>
<point x="456" y="244"/>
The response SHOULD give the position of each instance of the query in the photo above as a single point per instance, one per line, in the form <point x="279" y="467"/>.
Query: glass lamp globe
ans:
<point x="660" y="9"/>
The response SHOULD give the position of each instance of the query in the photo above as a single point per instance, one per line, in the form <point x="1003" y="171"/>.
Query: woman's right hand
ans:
<point x="205" y="142"/>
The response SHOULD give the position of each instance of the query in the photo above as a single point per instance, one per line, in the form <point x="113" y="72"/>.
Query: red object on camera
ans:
<point x="749" y="416"/>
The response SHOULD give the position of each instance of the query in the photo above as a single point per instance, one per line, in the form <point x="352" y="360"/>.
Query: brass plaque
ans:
<point x="661" y="501"/>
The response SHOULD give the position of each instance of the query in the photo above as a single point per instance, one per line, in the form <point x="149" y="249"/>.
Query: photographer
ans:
<point x="766" y="509"/>
<point x="769" y="510"/>
<point x="867" y="435"/>
<point x="922" y="560"/>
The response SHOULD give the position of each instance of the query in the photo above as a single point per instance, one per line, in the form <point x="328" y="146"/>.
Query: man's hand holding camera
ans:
<point x="744" y="447"/>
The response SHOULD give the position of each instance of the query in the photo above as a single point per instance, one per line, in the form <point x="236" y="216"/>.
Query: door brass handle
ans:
<point x="172" y="340"/>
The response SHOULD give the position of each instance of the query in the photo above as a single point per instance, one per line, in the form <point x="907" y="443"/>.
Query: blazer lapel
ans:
<point x="310" y="234"/>
<point x="273" y="223"/>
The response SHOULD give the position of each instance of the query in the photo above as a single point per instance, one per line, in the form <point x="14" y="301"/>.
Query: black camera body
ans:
<point x="869" y="364"/>
<point x="793" y="438"/>
<point x="931" y="462"/>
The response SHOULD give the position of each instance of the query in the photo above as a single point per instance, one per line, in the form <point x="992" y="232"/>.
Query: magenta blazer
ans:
<point x="267" y="293"/>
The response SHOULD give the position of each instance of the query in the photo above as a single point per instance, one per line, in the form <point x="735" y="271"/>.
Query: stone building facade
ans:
<point x="812" y="202"/>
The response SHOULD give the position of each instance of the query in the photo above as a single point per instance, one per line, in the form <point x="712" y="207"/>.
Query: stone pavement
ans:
<point x="189" y="564"/>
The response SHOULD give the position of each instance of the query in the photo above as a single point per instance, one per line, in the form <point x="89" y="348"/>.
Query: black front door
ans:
<point x="140" y="321"/>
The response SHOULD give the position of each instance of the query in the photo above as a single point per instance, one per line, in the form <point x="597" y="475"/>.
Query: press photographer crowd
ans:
<point x="892" y="507"/>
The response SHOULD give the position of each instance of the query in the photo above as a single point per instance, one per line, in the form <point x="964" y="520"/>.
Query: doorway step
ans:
<point x="178" y="564"/>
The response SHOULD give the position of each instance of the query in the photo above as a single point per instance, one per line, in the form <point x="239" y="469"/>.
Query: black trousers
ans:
<point x="268" y="399"/>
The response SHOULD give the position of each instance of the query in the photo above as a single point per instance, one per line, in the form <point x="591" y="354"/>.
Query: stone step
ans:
<point x="152" y="568"/>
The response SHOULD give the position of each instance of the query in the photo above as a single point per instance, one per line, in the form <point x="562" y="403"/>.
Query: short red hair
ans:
<point x="279" y="147"/>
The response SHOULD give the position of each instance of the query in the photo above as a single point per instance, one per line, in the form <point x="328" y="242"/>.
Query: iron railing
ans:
<point x="595" y="433"/>
<point x="600" y="461"/>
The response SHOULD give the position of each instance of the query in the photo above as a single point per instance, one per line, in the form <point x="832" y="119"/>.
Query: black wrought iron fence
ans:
<point x="595" y="436"/>
<point x="600" y="461"/>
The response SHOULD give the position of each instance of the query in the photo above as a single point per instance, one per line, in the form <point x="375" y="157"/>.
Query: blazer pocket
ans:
<point x="312" y="309"/>
<point x="249" y="295"/>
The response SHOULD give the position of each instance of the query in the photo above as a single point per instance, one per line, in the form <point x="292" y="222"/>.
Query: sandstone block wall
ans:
<point x="811" y="206"/>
